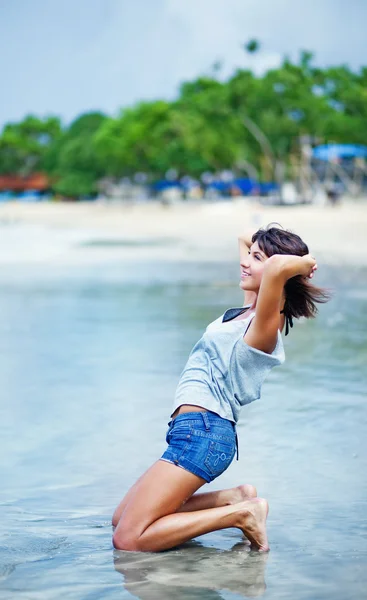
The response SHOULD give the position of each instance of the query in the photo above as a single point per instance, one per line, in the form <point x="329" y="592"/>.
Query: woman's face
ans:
<point x="252" y="269"/>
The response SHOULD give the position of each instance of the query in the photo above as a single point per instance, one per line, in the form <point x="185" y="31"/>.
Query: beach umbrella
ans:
<point x="330" y="152"/>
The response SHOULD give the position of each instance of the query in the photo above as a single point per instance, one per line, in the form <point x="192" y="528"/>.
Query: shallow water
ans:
<point x="89" y="360"/>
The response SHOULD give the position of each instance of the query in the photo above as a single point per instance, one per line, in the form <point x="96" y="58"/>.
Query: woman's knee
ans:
<point x="123" y="539"/>
<point x="115" y="518"/>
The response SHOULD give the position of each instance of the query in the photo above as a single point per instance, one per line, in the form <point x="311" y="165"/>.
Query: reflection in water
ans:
<point x="176" y="574"/>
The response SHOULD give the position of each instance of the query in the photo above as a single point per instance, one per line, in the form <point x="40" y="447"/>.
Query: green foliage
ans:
<point x="75" y="184"/>
<point x="72" y="161"/>
<point x="210" y="126"/>
<point x="24" y="145"/>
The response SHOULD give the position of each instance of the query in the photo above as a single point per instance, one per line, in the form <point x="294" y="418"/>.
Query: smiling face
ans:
<point x="252" y="269"/>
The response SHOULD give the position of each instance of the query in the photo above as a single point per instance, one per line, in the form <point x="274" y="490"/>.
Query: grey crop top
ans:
<point x="223" y="373"/>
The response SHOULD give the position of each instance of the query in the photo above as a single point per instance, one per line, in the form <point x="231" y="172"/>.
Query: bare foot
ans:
<point x="241" y="493"/>
<point x="252" y="516"/>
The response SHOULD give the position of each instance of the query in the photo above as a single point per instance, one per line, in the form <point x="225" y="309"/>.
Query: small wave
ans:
<point x="126" y="243"/>
<point x="6" y="570"/>
<point x="33" y="549"/>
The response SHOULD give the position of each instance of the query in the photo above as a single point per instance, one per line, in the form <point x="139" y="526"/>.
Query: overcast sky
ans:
<point x="72" y="56"/>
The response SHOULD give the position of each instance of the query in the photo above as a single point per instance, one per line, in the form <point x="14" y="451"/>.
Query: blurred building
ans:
<point x="37" y="182"/>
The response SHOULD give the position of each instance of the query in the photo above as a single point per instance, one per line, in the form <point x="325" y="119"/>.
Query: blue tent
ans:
<point x="5" y="196"/>
<point x="244" y="184"/>
<point x="29" y="196"/>
<point x="163" y="184"/>
<point x="331" y="151"/>
<point x="268" y="187"/>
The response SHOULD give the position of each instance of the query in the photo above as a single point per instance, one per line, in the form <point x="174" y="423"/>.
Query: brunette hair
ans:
<point x="301" y="295"/>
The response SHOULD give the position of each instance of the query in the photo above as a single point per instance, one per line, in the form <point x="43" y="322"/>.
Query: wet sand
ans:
<point x="203" y="231"/>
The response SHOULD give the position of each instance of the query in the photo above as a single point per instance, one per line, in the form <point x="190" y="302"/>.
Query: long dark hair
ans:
<point x="301" y="296"/>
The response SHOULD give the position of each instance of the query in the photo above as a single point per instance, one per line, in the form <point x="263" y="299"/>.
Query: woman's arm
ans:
<point x="244" y="244"/>
<point x="245" y="241"/>
<point x="263" y="332"/>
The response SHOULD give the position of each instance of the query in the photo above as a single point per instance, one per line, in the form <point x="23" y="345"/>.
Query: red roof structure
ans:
<point x="15" y="183"/>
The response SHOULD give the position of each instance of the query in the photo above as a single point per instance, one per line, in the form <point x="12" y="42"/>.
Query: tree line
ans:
<point x="207" y="128"/>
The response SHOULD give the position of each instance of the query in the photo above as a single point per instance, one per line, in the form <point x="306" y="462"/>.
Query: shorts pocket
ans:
<point x="178" y="433"/>
<point x="219" y="457"/>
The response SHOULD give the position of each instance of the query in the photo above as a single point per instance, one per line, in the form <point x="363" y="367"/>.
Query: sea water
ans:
<point x="90" y="355"/>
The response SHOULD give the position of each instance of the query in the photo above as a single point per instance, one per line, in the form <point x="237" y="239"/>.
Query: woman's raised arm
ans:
<point x="263" y="331"/>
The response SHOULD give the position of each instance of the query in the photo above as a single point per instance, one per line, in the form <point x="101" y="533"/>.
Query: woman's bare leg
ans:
<point x="172" y="530"/>
<point x="219" y="498"/>
<point x="150" y="521"/>
<point x="124" y="502"/>
<point x="199" y="501"/>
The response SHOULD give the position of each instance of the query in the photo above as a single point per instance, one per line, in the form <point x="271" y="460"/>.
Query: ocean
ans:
<point x="90" y="355"/>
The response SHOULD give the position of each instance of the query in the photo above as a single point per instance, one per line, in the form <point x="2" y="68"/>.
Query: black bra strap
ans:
<point x="288" y="321"/>
<point x="232" y="313"/>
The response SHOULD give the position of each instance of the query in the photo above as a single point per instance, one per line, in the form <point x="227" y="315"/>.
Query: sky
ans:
<point x="65" y="58"/>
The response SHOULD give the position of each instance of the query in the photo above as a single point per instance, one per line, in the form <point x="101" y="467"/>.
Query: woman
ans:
<point x="224" y="371"/>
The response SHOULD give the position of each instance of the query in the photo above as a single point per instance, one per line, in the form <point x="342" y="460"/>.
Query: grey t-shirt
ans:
<point x="224" y="373"/>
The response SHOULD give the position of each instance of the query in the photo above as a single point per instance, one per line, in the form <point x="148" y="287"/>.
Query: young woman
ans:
<point x="225" y="370"/>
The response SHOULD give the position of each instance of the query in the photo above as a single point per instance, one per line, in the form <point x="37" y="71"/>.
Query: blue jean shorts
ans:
<point x="201" y="442"/>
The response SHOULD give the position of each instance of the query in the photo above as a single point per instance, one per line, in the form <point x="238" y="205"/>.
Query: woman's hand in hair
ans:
<point x="286" y="266"/>
<point x="309" y="266"/>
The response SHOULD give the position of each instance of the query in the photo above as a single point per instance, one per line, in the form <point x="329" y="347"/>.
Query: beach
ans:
<point x="185" y="231"/>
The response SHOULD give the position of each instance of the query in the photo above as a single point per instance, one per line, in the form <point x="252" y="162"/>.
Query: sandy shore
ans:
<point x="190" y="231"/>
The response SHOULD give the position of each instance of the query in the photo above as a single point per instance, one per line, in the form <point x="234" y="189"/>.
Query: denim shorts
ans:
<point x="201" y="442"/>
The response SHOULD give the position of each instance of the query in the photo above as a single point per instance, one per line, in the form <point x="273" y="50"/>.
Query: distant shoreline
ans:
<point x="187" y="231"/>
